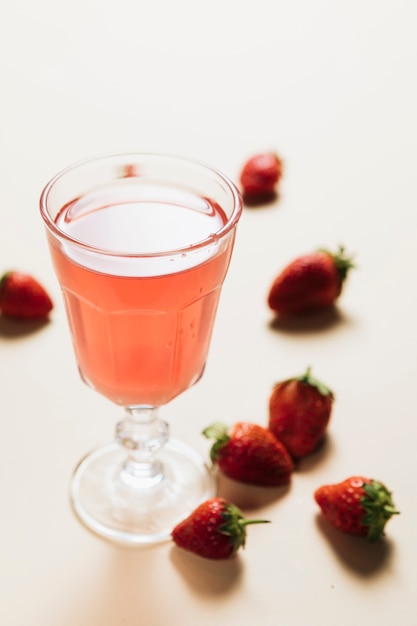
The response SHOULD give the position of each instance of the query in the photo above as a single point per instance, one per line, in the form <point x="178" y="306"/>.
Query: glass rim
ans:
<point x="237" y="206"/>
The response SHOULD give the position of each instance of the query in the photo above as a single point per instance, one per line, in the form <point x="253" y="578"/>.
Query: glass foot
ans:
<point x="139" y="512"/>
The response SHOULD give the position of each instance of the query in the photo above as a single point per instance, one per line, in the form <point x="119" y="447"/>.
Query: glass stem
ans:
<point x="142" y="433"/>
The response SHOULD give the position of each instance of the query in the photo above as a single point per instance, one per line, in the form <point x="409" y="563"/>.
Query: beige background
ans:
<point x="332" y="87"/>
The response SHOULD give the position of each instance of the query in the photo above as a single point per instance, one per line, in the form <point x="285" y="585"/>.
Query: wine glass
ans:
<point x="140" y="244"/>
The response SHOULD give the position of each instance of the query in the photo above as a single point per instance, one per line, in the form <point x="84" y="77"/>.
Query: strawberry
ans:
<point x="214" y="530"/>
<point x="260" y="176"/>
<point x="250" y="454"/>
<point x="299" y="412"/>
<point x="310" y="282"/>
<point x="23" y="298"/>
<point x="357" y="506"/>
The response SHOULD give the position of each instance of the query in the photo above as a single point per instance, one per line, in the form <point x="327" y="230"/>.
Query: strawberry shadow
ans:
<point x="14" y="329"/>
<point x="266" y="200"/>
<point x="357" y="553"/>
<point x="249" y="497"/>
<point x="323" y="451"/>
<point x="205" y="576"/>
<point x="314" y="321"/>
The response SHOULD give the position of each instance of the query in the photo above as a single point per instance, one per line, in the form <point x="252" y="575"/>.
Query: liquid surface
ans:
<point x="140" y="219"/>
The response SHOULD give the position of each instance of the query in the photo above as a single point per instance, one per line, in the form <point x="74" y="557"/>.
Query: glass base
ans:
<point x="136" y="512"/>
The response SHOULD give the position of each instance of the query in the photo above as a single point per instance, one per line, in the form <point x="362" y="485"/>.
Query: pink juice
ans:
<point x="141" y="326"/>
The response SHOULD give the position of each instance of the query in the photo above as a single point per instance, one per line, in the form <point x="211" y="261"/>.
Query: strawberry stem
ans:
<point x="218" y="432"/>
<point x="308" y="379"/>
<point x="234" y="525"/>
<point x="379" y="507"/>
<point x="4" y="278"/>
<point x="343" y="262"/>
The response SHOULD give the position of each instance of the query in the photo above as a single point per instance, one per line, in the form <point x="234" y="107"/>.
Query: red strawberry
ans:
<point x="260" y="175"/>
<point x="250" y="454"/>
<point x="23" y="298"/>
<point x="215" y="530"/>
<point x="310" y="282"/>
<point x="357" y="506"/>
<point x="299" y="411"/>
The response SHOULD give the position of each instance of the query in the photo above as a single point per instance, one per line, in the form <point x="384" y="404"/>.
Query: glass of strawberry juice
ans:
<point x="140" y="244"/>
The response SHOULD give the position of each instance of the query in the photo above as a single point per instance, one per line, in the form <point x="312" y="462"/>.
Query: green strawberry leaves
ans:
<point x="234" y="525"/>
<point x="342" y="262"/>
<point x="308" y="379"/>
<point x="378" y="506"/>
<point x="218" y="432"/>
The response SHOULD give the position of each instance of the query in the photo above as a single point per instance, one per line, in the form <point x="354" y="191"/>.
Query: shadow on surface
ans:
<point x="249" y="497"/>
<point x="205" y="576"/>
<point x="261" y="202"/>
<point x="324" y="450"/>
<point x="357" y="553"/>
<point x="13" y="329"/>
<point x="309" y="322"/>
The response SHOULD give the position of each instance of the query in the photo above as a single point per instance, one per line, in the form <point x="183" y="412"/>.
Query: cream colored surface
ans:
<point x="332" y="87"/>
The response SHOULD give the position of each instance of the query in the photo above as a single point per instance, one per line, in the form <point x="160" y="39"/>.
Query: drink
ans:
<point x="141" y="244"/>
<point x="141" y="326"/>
